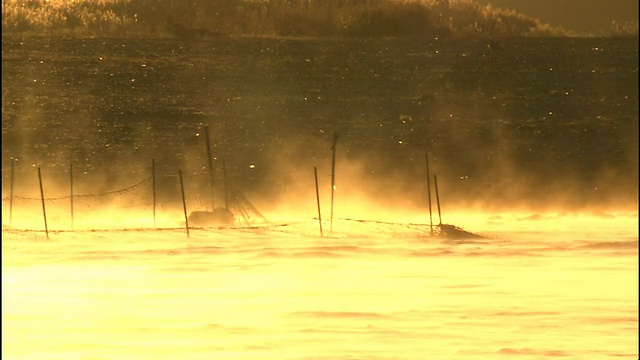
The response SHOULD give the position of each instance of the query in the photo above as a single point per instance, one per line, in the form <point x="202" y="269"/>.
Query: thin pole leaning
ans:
<point x="71" y="191"/>
<point x="429" y="193"/>
<point x="210" y="164"/>
<point x="153" y="189"/>
<point x="11" y="192"/>
<point x="184" y="203"/>
<point x="315" y="173"/>
<point x="435" y="180"/>
<point x="333" y="176"/>
<point x="44" y="211"/>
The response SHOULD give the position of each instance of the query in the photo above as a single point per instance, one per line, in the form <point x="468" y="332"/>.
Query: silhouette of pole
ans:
<point x="333" y="176"/>
<point x="435" y="181"/>
<point x="315" y="173"/>
<point x="184" y="203"/>
<point x="71" y="190"/>
<point x="429" y="193"/>
<point x="153" y="189"/>
<point x="210" y="164"/>
<point x="11" y="192"/>
<point x="44" y="211"/>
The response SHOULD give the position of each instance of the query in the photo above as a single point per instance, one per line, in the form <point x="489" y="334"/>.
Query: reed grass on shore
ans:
<point x="303" y="18"/>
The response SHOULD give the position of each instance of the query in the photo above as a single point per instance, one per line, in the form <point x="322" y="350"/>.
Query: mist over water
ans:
<point x="534" y="147"/>
<point x="533" y="288"/>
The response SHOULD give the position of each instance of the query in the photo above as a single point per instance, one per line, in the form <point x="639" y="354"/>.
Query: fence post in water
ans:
<point x="11" y="192"/>
<point x="315" y="173"/>
<point x="71" y="191"/>
<point x="333" y="176"/>
<point x="210" y="164"/>
<point x="429" y="193"/>
<point x="184" y="203"/>
<point x="153" y="189"/>
<point x="435" y="180"/>
<point x="44" y="212"/>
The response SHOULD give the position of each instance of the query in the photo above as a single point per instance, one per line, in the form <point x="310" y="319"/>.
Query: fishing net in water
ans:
<point x="157" y="203"/>
<point x="137" y="205"/>
<point x="356" y="228"/>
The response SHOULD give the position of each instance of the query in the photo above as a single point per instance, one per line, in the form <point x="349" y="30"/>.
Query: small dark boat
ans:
<point x="217" y="217"/>
<point x="454" y="233"/>
<point x="235" y="202"/>
<point x="444" y="230"/>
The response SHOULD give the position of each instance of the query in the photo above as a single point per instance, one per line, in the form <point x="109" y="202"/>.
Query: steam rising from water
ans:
<point x="536" y="148"/>
<point x="287" y="292"/>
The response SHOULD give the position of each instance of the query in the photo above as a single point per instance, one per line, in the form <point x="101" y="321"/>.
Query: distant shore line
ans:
<point x="191" y="20"/>
<point x="276" y="18"/>
<point x="66" y="36"/>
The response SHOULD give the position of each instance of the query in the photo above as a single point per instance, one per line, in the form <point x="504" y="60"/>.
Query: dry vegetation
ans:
<point x="304" y="18"/>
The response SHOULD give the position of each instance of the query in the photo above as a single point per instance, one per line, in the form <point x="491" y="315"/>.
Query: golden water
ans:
<point x="549" y="286"/>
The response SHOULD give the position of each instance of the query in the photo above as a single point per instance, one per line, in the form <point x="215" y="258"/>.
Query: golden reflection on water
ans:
<point x="539" y="287"/>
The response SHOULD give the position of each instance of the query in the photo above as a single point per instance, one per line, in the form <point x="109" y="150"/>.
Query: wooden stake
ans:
<point x="429" y="193"/>
<point x="333" y="176"/>
<point x="184" y="203"/>
<point x="210" y="164"/>
<point x="11" y="192"/>
<point x="153" y="189"/>
<point x="315" y="173"/>
<point x="435" y="180"/>
<point x="71" y="190"/>
<point x="44" y="211"/>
